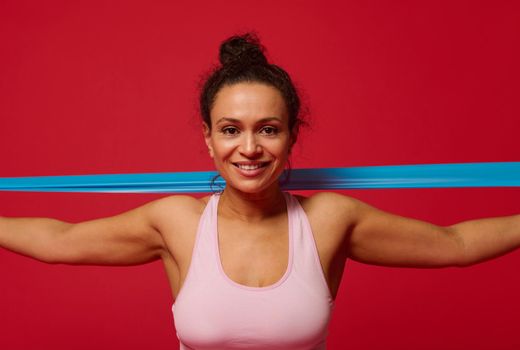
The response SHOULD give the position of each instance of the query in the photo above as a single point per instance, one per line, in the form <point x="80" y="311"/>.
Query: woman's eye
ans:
<point x="229" y="131"/>
<point x="269" y="130"/>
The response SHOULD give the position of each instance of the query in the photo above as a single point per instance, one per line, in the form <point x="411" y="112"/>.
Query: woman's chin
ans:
<point x="253" y="187"/>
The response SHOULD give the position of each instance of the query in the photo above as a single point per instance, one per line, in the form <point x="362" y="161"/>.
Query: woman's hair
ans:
<point x="242" y="59"/>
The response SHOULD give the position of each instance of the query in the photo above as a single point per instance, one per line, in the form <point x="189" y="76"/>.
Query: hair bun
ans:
<point x="244" y="48"/>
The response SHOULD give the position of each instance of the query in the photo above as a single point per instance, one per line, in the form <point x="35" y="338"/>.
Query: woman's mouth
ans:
<point x="251" y="169"/>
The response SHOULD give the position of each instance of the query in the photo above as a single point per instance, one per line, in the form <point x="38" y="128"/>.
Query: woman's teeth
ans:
<point x="250" y="167"/>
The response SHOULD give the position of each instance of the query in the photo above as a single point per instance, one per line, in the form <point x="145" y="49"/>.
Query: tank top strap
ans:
<point x="203" y="256"/>
<point x="206" y="254"/>
<point x="306" y="258"/>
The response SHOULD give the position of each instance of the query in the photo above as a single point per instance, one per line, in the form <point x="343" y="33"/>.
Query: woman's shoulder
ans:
<point x="330" y="216"/>
<point x="178" y="208"/>
<point x="327" y="202"/>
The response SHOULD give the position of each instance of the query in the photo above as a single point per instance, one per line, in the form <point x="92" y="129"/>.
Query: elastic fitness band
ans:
<point x="498" y="174"/>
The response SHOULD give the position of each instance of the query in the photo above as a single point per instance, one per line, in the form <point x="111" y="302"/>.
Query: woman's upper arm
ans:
<point x="381" y="238"/>
<point x="130" y="238"/>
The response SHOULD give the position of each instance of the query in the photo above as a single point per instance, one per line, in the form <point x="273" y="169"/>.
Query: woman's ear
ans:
<point x="207" y="138"/>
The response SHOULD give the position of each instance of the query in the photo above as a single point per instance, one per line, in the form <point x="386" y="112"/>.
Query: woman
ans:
<point x="252" y="266"/>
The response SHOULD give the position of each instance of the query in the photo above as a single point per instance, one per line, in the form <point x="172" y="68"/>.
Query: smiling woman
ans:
<point x="253" y="266"/>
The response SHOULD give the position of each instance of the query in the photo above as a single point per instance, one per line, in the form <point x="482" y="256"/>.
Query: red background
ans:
<point x="92" y="87"/>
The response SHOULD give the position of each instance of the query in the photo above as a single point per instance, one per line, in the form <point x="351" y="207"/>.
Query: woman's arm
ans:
<point x="129" y="238"/>
<point x="485" y="239"/>
<point x="381" y="238"/>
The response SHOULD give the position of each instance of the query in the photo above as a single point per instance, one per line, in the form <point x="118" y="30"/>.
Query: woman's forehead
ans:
<point x="246" y="101"/>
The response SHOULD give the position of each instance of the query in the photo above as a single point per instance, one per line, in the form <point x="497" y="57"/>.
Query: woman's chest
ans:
<point x="257" y="255"/>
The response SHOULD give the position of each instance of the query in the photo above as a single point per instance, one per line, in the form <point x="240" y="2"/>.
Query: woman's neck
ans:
<point x="252" y="207"/>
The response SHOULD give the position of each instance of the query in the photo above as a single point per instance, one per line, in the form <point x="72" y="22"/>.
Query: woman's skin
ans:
<point x="250" y="124"/>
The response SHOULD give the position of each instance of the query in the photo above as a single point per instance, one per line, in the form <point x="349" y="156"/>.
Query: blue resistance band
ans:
<point x="498" y="174"/>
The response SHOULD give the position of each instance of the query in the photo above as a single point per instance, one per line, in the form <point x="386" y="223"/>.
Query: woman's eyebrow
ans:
<point x="263" y="120"/>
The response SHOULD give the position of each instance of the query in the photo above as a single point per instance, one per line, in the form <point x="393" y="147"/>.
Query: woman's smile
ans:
<point x="251" y="169"/>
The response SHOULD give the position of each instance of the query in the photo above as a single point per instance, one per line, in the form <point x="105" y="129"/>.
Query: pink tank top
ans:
<point x="214" y="312"/>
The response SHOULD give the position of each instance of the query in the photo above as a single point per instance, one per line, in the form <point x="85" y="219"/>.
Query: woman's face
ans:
<point x="249" y="139"/>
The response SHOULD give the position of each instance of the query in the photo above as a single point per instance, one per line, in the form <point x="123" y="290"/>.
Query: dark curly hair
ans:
<point x="242" y="59"/>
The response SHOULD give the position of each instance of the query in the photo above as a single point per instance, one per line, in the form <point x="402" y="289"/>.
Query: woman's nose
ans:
<point x="250" y="146"/>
